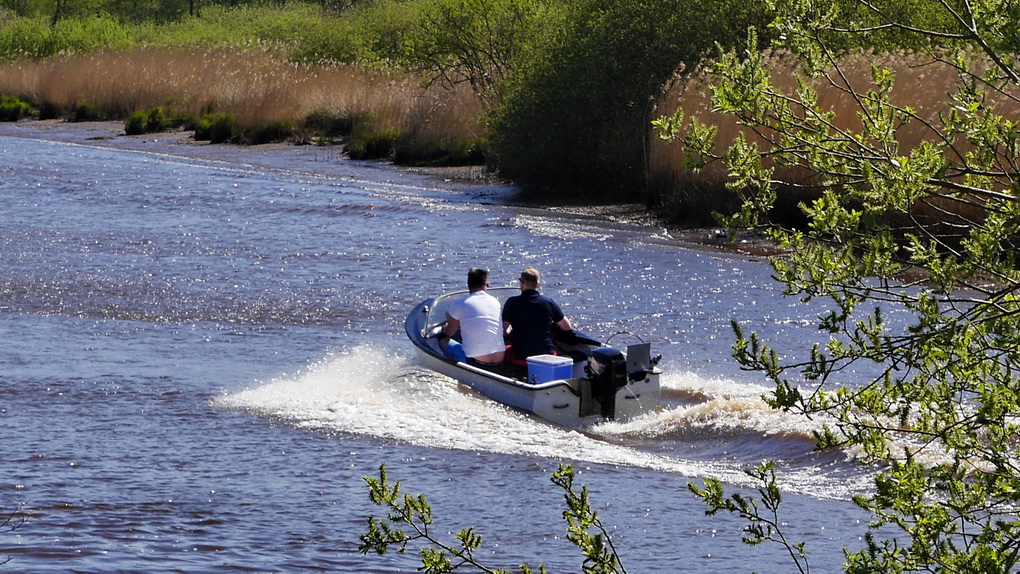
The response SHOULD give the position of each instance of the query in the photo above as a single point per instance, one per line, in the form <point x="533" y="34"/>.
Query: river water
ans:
<point x="203" y="355"/>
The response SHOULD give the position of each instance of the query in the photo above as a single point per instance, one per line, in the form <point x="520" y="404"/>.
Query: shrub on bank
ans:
<point x="13" y="109"/>
<point x="271" y="132"/>
<point x="136" y="124"/>
<point x="86" y="113"/>
<point x="373" y="145"/>
<point x="216" y="128"/>
<point x="329" y="125"/>
<point x="460" y="151"/>
<point x="157" y="119"/>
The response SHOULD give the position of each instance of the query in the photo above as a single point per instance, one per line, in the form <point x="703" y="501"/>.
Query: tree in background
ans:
<point x="575" y="115"/>
<point x="475" y="41"/>
<point x="155" y="11"/>
<point x="930" y="227"/>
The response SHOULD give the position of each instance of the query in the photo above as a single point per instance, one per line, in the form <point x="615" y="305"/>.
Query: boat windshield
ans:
<point x="437" y="313"/>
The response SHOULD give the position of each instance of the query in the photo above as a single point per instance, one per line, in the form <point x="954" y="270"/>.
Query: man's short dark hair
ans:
<point x="477" y="278"/>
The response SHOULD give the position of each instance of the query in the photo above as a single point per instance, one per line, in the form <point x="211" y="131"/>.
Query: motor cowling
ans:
<point x="607" y="371"/>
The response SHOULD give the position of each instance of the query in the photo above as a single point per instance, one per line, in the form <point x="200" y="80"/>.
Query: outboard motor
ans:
<point x="607" y="371"/>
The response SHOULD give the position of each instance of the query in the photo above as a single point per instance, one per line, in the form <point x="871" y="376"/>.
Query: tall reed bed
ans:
<point x="692" y="197"/>
<point x="254" y="87"/>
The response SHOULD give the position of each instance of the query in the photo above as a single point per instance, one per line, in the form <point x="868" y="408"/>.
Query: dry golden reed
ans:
<point x="255" y="87"/>
<point x="919" y="84"/>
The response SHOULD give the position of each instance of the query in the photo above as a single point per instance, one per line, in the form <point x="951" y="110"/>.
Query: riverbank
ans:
<point x="112" y="134"/>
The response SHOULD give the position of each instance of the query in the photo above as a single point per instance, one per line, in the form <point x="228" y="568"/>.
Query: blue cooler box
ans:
<point x="544" y="368"/>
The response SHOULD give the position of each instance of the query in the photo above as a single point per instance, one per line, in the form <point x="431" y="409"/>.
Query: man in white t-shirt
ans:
<point x="477" y="316"/>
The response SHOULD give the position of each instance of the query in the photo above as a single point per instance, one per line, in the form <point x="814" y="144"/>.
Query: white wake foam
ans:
<point x="715" y="405"/>
<point x="374" y="392"/>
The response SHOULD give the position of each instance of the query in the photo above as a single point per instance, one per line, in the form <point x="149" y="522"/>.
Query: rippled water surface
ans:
<point x="203" y="355"/>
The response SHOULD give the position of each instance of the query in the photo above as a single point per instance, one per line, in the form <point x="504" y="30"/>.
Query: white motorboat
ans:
<point x="586" y="382"/>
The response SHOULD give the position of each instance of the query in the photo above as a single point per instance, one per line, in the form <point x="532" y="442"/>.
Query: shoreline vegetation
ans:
<point x="553" y="96"/>
<point x="360" y="78"/>
<point x="251" y="98"/>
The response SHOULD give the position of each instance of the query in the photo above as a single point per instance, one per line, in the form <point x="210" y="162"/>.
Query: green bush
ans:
<point x="459" y="151"/>
<point x="13" y="109"/>
<point x="477" y="42"/>
<point x="911" y="16"/>
<point x="157" y="119"/>
<point x="216" y="128"/>
<point x="277" y="29"/>
<point x="329" y="124"/>
<point x="136" y="124"/>
<point x="213" y="127"/>
<point x="86" y="113"/>
<point x="51" y="111"/>
<point x="271" y="132"/>
<point x="328" y="127"/>
<point x="373" y="145"/>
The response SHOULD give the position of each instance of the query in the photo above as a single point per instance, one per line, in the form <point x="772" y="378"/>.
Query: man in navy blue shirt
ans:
<point x="528" y="319"/>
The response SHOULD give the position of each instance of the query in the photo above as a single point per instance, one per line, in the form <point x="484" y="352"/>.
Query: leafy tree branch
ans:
<point x="10" y="522"/>
<point x="925" y="225"/>
<point x="764" y="524"/>
<point x="475" y="41"/>
<point x="584" y="529"/>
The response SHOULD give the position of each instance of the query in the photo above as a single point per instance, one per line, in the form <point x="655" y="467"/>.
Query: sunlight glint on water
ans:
<point x="204" y="356"/>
